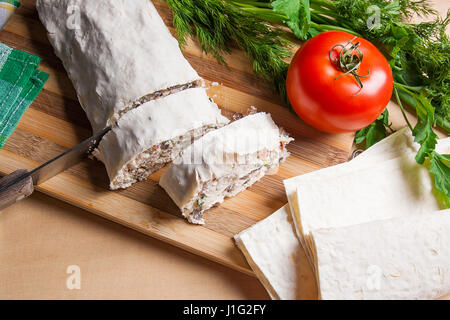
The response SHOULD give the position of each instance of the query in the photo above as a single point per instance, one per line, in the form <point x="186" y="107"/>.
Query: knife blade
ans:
<point x="49" y="169"/>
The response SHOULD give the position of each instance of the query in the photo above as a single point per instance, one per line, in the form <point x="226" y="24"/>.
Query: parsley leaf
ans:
<point x="425" y="136"/>
<point x="374" y="132"/>
<point x="440" y="167"/>
<point x="297" y="13"/>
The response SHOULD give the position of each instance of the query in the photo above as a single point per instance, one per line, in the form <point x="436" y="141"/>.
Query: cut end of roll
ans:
<point x="224" y="163"/>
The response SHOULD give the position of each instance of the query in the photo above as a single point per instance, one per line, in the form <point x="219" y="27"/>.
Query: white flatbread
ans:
<point x="275" y="255"/>
<point x="401" y="143"/>
<point x="393" y="146"/>
<point x="114" y="51"/>
<point x="365" y="189"/>
<point x="270" y="244"/>
<point x="154" y="122"/>
<point x="389" y="189"/>
<point x="388" y="148"/>
<point x="403" y="258"/>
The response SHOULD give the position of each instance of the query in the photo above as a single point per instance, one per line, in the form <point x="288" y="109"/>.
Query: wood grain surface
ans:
<point x="55" y="122"/>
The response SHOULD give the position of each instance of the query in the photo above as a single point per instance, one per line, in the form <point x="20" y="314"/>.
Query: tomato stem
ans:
<point x="349" y="60"/>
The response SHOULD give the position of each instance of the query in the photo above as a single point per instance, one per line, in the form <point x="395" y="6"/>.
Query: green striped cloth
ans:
<point x="20" y="83"/>
<point x="7" y="8"/>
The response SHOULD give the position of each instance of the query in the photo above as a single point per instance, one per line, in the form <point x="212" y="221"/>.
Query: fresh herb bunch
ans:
<point x="419" y="54"/>
<point x="416" y="52"/>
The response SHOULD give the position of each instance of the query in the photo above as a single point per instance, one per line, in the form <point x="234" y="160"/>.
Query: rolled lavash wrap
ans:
<point x="223" y="163"/>
<point x="116" y="52"/>
<point x="284" y="268"/>
<point x="129" y="73"/>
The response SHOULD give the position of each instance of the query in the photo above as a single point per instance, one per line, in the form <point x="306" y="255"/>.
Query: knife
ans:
<point x="20" y="184"/>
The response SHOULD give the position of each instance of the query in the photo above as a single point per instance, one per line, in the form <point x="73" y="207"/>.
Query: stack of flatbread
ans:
<point x="371" y="228"/>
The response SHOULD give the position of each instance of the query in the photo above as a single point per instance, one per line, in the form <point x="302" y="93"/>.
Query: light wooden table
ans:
<point x="41" y="237"/>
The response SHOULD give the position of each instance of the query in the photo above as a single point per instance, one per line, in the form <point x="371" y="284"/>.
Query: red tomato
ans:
<point x="321" y="92"/>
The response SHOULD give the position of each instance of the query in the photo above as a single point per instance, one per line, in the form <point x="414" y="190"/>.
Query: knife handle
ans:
<point x="16" y="192"/>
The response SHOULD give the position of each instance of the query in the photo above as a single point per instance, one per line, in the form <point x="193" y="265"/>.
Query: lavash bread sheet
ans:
<point x="401" y="258"/>
<point x="274" y="253"/>
<point x="369" y="188"/>
<point x="114" y="51"/>
<point x="278" y="268"/>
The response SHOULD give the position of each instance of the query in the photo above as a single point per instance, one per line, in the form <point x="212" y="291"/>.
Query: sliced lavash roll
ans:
<point x="270" y="246"/>
<point x="118" y="54"/>
<point x="223" y="163"/>
<point x="402" y="258"/>
<point x="361" y="192"/>
<point x="147" y="138"/>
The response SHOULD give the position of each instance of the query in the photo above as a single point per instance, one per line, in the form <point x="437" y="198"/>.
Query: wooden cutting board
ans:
<point x="55" y="122"/>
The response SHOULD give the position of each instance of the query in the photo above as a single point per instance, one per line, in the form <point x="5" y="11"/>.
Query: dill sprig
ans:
<point x="219" y="25"/>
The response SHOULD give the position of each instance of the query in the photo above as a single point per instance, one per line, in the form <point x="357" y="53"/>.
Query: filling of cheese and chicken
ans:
<point x="213" y="192"/>
<point x="223" y="163"/>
